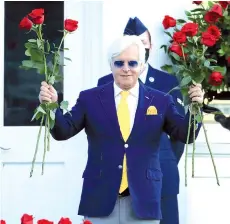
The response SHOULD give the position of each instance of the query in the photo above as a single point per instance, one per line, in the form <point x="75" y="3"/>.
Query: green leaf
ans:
<point x="39" y="44"/>
<point x="53" y="106"/>
<point x="30" y="45"/>
<point x="221" y="52"/>
<point x="64" y="105"/>
<point x="47" y="46"/>
<point x="187" y="13"/>
<point x="207" y="63"/>
<point x="66" y="49"/>
<point x="167" y="68"/>
<point x="181" y="21"/>
<point x="197" y="10"/>
<point x="27" y="52"/>
<point x="220" y="69"/>
<point x="52" y="123"/>
<point x="38" y="116"/>
<point x="173" y="89"/>
<point x="35" y="114"/>
<point x="210" y="4"/>
<point x="51" y="80"/>
<point x="58" y="78"/>
<point x="164" y="47"/>
<point x="184" y="90"/>
<point x="169" y="34"/>
<point x="31" y="64"/>
<point x="198" y="118"/>
<point x="69" y="59"/>
<point x="40" y="109"/>
<point x="36" y="55"/>
<point x="32" y="40"/>
<point x="185" y="81"/>
<point x="175" y="56"/>
<point x="27" y="63"/>
<point x="225" y="13"/>
<point x="52" y="115"/>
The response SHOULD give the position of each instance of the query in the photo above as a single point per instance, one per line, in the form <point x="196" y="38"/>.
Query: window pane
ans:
<point x="21" y="88"/>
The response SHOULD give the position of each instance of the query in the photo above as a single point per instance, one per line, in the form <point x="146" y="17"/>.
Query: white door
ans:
<point x="55" y="194"/>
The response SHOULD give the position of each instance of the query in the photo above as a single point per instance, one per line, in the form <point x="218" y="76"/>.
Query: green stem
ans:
<point x="58" y="52"/>
<point x="37" y="143"/>
<point x="48" y="135"/>
<point x="194" y="145"/>
<point x="45" y="143"/>
<point x="186" y="150"/>
<point x="210" y="151"/>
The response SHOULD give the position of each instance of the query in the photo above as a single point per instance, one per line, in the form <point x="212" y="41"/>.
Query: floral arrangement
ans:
<point x="29" y="219"/>
<point x="38" y="49"/>
<point x="199" y="51"/>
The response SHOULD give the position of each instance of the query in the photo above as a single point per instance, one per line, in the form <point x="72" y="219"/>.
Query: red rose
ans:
<point x="44" y="221"/>
<point x="2" y="222"/>
<point x="190" y="29"/>
<point x="215" y="79"/>
<point x="176" y="48"/>
<point x="213" y="14"/>
<point x="208" y="39"/>
<point x="228" y="60"/>
<point x="179" y="37"/>
<point x="168" y="22"/>
<point x="27" y="219"/>
<point x="224" y="4"/>
<point x="214" y="31"/>
<point x="87" y="222"/>
<point x="25" y="24"/>
<point x="37" y="16"/>
<point x="64" y="221"/>
<point x="197" y="2"/>
<point x="71" y="25"/>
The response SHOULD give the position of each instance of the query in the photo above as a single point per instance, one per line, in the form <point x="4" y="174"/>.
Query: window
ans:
<point x="21" y="88"/>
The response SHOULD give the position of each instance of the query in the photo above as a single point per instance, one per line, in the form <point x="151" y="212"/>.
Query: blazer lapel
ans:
<point x="108" y="102"/>
<point x="151" y="77"/>
<point x="144" y="101"/>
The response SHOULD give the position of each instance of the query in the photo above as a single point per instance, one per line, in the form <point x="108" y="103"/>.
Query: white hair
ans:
<point x="122" y="43"/>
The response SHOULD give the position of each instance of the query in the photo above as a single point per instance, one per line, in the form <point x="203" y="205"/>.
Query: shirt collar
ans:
<point x="134" y="91"/>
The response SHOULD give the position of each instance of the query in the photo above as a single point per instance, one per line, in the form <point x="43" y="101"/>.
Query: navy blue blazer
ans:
<point x="95" y="111"/>
<point x="171" y="150"/>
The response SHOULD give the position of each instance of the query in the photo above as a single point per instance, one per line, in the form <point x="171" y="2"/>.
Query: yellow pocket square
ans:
<point x="152" y="110"/>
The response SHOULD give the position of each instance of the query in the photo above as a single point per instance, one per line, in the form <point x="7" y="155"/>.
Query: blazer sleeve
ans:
<point x="177" y="146"/>
<point x="69" y="124"/>
<point x="177" y="125"/>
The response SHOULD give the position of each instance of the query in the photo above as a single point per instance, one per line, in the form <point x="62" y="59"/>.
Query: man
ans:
<point x="123" y="121"/>
<point x="170" y="149"/>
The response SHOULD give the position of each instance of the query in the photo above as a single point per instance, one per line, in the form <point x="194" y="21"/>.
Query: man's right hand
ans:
<point x="47" y="93"/>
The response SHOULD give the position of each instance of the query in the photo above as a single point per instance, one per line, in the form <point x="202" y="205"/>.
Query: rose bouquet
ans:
<point x="38" y="50"/>
<point x="199" y="51"/>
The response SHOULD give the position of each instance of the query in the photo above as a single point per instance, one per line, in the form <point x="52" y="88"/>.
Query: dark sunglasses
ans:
<point x="120" y="64"/>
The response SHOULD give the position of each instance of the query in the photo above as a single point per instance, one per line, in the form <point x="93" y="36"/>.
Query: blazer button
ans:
<point x="126" y="146"/>
<point x="120" y="166"/>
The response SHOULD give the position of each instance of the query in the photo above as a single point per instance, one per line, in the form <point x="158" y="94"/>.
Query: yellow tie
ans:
<point x="123" y="115"/>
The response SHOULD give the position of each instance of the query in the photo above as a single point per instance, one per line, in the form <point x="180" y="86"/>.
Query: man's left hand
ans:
<point x="196" y="94"/>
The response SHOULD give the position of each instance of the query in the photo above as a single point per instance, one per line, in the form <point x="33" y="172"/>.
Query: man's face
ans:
<point x="126" y="68"/>
<point x="145" y="39"/>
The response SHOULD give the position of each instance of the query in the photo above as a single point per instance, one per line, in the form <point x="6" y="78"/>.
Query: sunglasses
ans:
<point x="120" y="64"/>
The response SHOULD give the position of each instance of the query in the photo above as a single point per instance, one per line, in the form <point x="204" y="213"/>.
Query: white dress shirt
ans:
<point x="143" y="75"/>
<point x="132" y="100"/>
